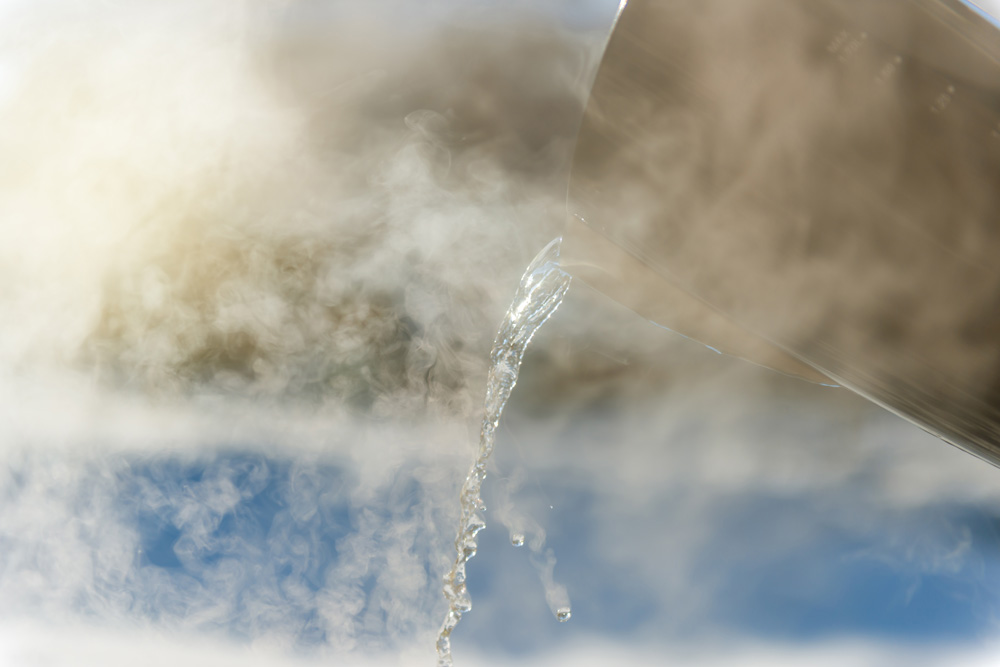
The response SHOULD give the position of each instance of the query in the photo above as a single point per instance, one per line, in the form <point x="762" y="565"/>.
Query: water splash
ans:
<point x="542" y="289"/>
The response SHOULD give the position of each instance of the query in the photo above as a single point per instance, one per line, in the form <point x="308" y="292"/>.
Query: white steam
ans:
<point x="197" y="205"/>
<point x="251" y="261"/>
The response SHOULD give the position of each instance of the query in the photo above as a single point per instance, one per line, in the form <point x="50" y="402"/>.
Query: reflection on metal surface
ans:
<point x="823" y="174"/>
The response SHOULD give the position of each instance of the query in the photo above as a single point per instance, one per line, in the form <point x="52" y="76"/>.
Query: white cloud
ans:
<point x="78" y="646"/>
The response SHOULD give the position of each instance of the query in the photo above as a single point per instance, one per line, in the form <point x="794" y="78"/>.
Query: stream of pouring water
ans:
<point x="542" y="289"/>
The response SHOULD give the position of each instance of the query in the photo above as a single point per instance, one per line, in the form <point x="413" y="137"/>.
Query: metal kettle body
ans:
<point x="810" y="184"/>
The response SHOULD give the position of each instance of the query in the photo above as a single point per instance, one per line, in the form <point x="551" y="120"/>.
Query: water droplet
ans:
<point x="563" y="614"/>
<point x="517" y="539"/>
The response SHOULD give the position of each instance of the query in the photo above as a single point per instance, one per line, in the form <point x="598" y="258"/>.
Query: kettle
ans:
<point x="813" y="185"/>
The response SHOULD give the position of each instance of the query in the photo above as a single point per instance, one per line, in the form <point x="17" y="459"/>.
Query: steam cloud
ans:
<point x="251" y="260"/>
<point x="247" y="306"/>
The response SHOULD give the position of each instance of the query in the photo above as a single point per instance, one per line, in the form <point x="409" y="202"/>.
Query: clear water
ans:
<point x="542" y="289"/>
